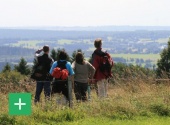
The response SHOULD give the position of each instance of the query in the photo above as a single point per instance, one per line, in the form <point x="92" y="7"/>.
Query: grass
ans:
<point x="153" y="57"/>
<point x="28" y="44"/>
<point x="162" y="40"/>
<point x="64" y="41"/>
<point x="33" y="43"/>
<point x="107" y="121"/>
<point x="131" y="101"/>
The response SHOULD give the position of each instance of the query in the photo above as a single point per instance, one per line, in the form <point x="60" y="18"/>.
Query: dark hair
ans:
<point x="79" y="58"/>
<point x="46" y="48"/>
<point x="98" y="43"/>
<point x="62" y="55"/>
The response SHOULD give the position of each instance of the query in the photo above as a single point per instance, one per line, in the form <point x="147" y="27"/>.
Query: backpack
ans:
<point x="39" y="74"/>
<point x="60" y="72"/>
<point x="106" y="62"/>
<point x="40" y="71"/>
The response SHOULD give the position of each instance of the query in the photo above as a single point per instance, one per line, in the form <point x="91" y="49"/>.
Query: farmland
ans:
<point x="130" y="47"/>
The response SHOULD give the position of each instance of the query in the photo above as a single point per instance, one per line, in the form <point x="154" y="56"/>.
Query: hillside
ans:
<point x="132" y="99"/>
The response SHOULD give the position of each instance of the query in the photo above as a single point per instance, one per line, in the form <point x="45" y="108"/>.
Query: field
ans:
<point x="27" y="44"/>
<point x="137" y="101"/>
<point x="153" y="57"/>
<point x="132" y="58"/>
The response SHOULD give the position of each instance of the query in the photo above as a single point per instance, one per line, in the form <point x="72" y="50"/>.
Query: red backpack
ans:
<point x="106" y="62"/>
<point x="60" y="72"/>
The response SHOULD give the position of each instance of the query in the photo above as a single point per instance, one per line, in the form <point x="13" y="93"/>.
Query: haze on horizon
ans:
<point x="25" y="13"/>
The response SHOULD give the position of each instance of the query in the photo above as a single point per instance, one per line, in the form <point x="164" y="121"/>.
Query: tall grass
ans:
<point x="138" y="98"/>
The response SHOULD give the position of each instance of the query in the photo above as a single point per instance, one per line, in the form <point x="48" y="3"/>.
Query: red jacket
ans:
<point x="96" y="59"/>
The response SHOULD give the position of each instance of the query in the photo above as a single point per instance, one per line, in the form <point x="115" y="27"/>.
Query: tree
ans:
<point x="90" y="60"/>
<point x="22" y="67"/>
<point x="54" y="54"/>
<point x="164" y="62"/>
<point x="34" y="64"/>
<point x="7" y="67"/>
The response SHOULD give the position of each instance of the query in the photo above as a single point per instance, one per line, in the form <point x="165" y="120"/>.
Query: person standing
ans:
<point x="60" y="85"/>
<point x="44" y="62"/>
<point x="103" y="63"/>
<point x="83" y="72"/>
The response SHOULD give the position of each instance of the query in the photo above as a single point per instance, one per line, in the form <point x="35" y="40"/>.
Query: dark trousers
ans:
<point x="80" y="90"/>
<point x="39" y="87"/>
<point x="60" y="87"/>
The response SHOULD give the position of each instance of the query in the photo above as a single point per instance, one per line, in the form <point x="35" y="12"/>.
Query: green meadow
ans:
<point x="134" y="101"/>
<point x="154" y="57"/>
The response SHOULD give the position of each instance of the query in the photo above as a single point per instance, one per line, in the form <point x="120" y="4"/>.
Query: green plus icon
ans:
<point x="19" y="103"/>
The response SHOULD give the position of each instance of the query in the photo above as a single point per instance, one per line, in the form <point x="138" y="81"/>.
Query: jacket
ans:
<point x="96" y="59"/>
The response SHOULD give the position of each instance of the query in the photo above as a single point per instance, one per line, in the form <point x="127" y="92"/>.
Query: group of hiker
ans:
<point x="81" y="72"/>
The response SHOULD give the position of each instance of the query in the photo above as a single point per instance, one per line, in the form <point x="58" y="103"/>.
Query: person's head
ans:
<point x="62" y="55"/>
<point x="79" y="58"/>
<point x="98" y="43"/>
<point x="46" y="49"/>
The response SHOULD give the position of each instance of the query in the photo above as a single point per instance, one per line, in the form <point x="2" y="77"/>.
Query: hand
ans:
<point x="38" y="74"/>
<point x="90" y="80"/>
<point x="39" y="50"/>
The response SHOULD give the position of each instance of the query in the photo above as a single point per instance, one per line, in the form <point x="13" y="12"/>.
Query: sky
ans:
<point x="26" y="13"/>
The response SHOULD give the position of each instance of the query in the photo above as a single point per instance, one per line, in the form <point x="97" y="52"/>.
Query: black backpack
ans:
<point x="40" y="71"/>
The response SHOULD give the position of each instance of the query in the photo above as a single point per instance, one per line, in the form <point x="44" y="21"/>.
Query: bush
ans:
<point x="10" y="77"/>
<point x="6" y="120"/>
<point x="121" y="70"/>
<point x="124" y="113"/>
<point x="160" y="109"/>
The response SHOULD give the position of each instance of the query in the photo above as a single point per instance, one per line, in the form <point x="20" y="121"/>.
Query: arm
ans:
<point x="73" y="66"/>
<point x="69" y="68"/>
<point x="71" y="72"/>
<point x="37" y="53"/>
<point x="95" y="61"/>
<point x="91" y="70"/>
<point x="53" y="66"/>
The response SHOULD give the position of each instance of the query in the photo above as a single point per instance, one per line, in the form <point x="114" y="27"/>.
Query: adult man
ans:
<point x="103" y="63"/>
<point x="44" y="62"/>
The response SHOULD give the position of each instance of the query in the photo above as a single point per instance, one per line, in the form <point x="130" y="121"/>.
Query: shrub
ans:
<point x="160" y="109"/>
<point x="10" y="77"/>
<point x="7" y="120"/>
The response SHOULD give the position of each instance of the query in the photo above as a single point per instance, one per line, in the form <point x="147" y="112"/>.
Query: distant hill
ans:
<point x="47" y="33"/>
<point x="95" y="28"/>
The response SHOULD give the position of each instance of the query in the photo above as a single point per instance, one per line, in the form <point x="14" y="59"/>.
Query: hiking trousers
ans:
<point x="80" y="90"/>
<point x="102" y="88"/>
<point x="39" y="87"/>
<point x="60" y="87"/>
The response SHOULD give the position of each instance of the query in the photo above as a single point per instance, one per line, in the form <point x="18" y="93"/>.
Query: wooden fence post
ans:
<point x="70" y="92"/>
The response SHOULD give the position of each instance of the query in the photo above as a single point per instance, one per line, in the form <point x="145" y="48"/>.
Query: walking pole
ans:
<point x="70" y="91"/>
<point x="89" y="91"/>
